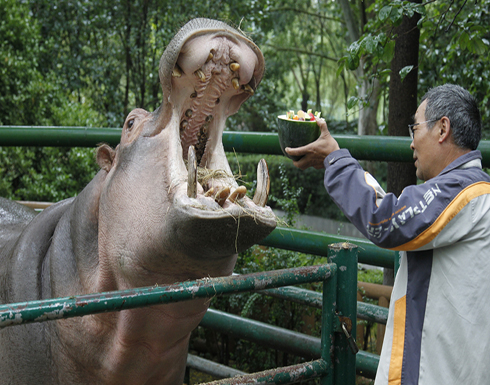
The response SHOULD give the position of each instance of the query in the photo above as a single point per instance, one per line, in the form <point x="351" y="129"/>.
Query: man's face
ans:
<point x="424" y="146"/>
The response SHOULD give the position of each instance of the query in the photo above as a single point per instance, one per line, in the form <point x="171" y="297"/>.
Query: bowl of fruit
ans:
<point x="297" y="130"/>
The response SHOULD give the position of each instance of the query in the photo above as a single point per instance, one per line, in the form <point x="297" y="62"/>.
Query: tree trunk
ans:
<point x="402" y="103"/>
<point x="367" y="123"/>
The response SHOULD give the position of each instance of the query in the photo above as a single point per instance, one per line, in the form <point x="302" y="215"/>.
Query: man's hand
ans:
<point x="315" y="153"/>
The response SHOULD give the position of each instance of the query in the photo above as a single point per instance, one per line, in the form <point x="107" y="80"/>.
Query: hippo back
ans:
<point x="14" y="217"/>
<point x="24" y="239"/>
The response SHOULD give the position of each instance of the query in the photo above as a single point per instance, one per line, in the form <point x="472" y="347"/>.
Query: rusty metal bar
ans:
<point x="206" y="366"/>
<point x="280" y="376"/>
<point x="76" y="306"/>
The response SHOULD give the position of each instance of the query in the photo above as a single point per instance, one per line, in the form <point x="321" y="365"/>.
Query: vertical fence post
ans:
<point x="345" y="256"/>
<point x="329" y="301"/>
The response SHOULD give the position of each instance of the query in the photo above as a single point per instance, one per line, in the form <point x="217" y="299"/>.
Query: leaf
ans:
<point x="370" y="43"/>
<point x="384" y="13"/>
<point x="463" y="40"/>
<point x="477" y="46"/>
<point x="388" y="51"/>
<point x="405" y="71"/>
<point x="397" y="15"/>
<point x="352" y="102"/>
<point x="341" y="64"/>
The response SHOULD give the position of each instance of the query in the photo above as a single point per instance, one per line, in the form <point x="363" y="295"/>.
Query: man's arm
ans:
<point x="314" y="154"/>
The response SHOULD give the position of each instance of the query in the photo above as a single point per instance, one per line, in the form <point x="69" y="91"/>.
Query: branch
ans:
<point x="307" y="13"/>
<point x="299" y="50"/>
<point x="455" y="16"/>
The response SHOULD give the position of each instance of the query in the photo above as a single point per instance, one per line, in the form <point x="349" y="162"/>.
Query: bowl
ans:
<point x="296" y="133"/>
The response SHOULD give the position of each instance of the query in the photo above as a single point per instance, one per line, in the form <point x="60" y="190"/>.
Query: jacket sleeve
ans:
<point x="386" y="220"/>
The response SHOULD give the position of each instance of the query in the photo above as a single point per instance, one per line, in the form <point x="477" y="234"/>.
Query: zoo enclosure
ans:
<point x="364" y="148"/>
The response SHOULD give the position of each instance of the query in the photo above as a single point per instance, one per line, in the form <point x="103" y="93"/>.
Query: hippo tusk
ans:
<point x="239" y="193"/>
<point x="192" y="173"/>
<point x="248" y="89"/>
<point x="176" y="72"/>
<point x="263" y="184"/>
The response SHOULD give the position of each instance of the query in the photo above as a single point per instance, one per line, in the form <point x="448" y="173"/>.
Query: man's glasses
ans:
<point x="411" y="126"/>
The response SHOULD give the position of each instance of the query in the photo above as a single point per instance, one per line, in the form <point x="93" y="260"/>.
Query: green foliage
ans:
<point x="376" y="46"/>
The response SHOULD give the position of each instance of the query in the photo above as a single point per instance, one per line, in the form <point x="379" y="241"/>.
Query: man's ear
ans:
<point x="105" y="157"/>
<point x="444" y="129"/>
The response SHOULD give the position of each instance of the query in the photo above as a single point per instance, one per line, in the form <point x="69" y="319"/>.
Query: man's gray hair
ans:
<point x="460" y="108"/>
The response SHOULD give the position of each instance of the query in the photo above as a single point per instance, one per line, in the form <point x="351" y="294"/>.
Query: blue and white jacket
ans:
<point x="438" y="329"/>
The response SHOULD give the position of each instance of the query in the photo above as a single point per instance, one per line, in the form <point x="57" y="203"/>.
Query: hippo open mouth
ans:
<point x="214" y="69"/>
<point x="207" y="71"/>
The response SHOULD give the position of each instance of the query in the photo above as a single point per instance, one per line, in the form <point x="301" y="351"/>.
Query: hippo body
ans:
<point x="148" y="217"/>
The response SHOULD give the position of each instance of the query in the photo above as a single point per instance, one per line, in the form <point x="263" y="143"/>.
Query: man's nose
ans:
<point x="411" y="145"/>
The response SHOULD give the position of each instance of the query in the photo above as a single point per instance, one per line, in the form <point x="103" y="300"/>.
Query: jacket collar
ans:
<point x="474" y="157"/>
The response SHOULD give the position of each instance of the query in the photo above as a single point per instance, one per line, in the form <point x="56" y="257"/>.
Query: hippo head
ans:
<point x="169" y="202"/>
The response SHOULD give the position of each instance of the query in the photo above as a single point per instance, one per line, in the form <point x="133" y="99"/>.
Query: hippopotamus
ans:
<point x="163" y="208"/>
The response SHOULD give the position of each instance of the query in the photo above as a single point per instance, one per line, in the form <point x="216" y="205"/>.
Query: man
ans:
<point x="439" y="319"/>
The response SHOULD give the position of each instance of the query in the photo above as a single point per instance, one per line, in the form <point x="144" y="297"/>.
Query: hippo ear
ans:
<point x="105" y="157"/>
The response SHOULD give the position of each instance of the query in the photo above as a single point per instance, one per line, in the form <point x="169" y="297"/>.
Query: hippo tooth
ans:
<point x="176" y="72"/>
<point x="210" y="57"/>
<point x="200" y="75"/>
<point x="192" y="173"/>
<point x="234" y="67"/>
<point x="263" y="184"/>
<point x="236" y="83"/>
<point x="183" y="125"/>
<point x="239" y="193"/>
<point x="188" y="113"/>
<point x="248" y="89"/>
<point x="222" y="195"/>
<point x="210" y="192"/>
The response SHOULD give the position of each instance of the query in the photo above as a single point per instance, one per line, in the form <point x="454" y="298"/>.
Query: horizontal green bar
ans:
<point x="366" y="147"/>
<point x="373" y="313"/>
<point x="280" y="338"/>
<point x="315" y="243"/>
<point x="76" y="306"/>
<point x="365" y="311"/>
<point x="262" y="333"/>
<point x="58" y="136"/>
<point x="278" y="376"/>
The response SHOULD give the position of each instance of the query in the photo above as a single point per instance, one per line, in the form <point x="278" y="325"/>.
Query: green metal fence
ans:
<point x="338" y="302"/>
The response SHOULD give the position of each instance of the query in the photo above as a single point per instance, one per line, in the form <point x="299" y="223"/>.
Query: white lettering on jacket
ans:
<point x="399" y="219"/>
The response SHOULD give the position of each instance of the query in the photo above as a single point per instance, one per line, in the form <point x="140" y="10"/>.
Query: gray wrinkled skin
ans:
<point x="136" y="225"/>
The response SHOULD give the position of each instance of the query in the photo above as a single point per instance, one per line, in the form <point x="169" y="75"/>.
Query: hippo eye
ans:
<point x="130" y="124"/>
